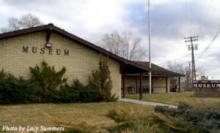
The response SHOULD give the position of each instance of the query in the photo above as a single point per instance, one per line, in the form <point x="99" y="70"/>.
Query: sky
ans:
<point x="171" y="22"/>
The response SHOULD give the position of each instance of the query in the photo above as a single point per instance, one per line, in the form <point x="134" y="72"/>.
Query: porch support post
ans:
<point x="123" y="86"/>
<point x="166" y="84"/>
<point x="136" y="85"/>
<point x="179" y="84"/>
<point x="152" y="84"/>
<point x="141" y="87"/>
<point x="122" y="67"/>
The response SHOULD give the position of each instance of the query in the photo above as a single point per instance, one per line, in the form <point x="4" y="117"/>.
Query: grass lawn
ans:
<point x="67" y="115"/>
<point x="175" y="98"/>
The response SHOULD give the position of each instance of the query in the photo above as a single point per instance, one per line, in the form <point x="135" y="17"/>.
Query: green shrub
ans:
<point x="48" y="79"/>
<point x="13" y="91"/>
<point x="190" y="119"/>
<point x="173" y="125"/>
<point x="48" y="85"/>
<point x="89" y="94"/>
<point x="78" y="92"/>
<point x="101" y="80"/>
<point x="2" y="74"/>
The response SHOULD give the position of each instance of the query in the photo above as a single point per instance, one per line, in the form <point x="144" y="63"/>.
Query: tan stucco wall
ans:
<point x="79" y="64"/>
<point x="159" y="83"/>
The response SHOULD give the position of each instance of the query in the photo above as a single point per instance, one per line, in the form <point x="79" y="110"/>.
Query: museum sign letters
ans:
<point x="44" y="50"/>
<point x="206" y="84"/>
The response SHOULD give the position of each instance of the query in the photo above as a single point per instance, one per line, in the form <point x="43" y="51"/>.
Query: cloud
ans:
<point x="80" y="17"/>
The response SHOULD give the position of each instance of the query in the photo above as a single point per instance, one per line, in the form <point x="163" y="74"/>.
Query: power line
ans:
<point x="209" y="45"/>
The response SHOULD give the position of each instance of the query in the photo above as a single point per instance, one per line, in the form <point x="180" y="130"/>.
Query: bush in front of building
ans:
<point x="77" y="92"/>
<point x="101" y="79"/>
<point x="48" y="79"/>
<point x="2" y="74"/>
<point x="17" y="90"/>
<point x="47" y="85"/>
<point x="53" y="86"/>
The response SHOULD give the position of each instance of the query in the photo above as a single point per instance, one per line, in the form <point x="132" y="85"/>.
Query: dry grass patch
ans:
<point x="92" y="115"/>
<point x="122" y="114"/>
<point x="131" y="121"/>
<point x="175" y="98"/>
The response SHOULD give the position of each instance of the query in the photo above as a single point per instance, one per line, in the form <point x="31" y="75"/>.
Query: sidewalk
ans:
<point x="145" y="102"/>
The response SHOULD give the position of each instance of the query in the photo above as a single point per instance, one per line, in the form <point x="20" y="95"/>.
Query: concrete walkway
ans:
<point x="145" y="102"/>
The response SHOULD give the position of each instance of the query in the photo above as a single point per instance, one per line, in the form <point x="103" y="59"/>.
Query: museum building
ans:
<point x="24" y="48"/>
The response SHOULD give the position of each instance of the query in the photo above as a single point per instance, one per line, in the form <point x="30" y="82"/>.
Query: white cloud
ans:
<point x="83" y="17"/>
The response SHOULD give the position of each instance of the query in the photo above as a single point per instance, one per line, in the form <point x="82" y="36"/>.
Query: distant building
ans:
<point x="204" y="78"/>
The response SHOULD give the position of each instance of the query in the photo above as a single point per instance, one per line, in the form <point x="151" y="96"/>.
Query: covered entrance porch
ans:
<point x="136" y="81"/>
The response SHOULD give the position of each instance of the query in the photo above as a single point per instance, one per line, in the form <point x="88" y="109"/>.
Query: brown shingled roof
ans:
<point x="158" y="70"/>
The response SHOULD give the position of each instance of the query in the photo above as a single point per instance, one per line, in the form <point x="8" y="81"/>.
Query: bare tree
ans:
<point x="125" y="45"/>
<point x="25" y="21"/>
<point x="186" y="70"/>
<point x="177" y="67"/>
<point x="186" y="81"/>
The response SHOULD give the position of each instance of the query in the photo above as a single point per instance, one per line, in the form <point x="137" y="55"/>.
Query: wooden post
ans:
<point x="122" y="66"/>
<point x="136" y="84"/>
<point x="123" y="86"/>
<point x="152" y="84"/>
<point x="179" y="83"/>
<point x="141" y="87"/>
<point x="166" y="84"/>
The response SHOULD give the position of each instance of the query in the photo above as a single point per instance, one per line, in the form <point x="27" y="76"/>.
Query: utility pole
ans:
<point x="149" y="39"/>
<point x="192" y="47"/>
